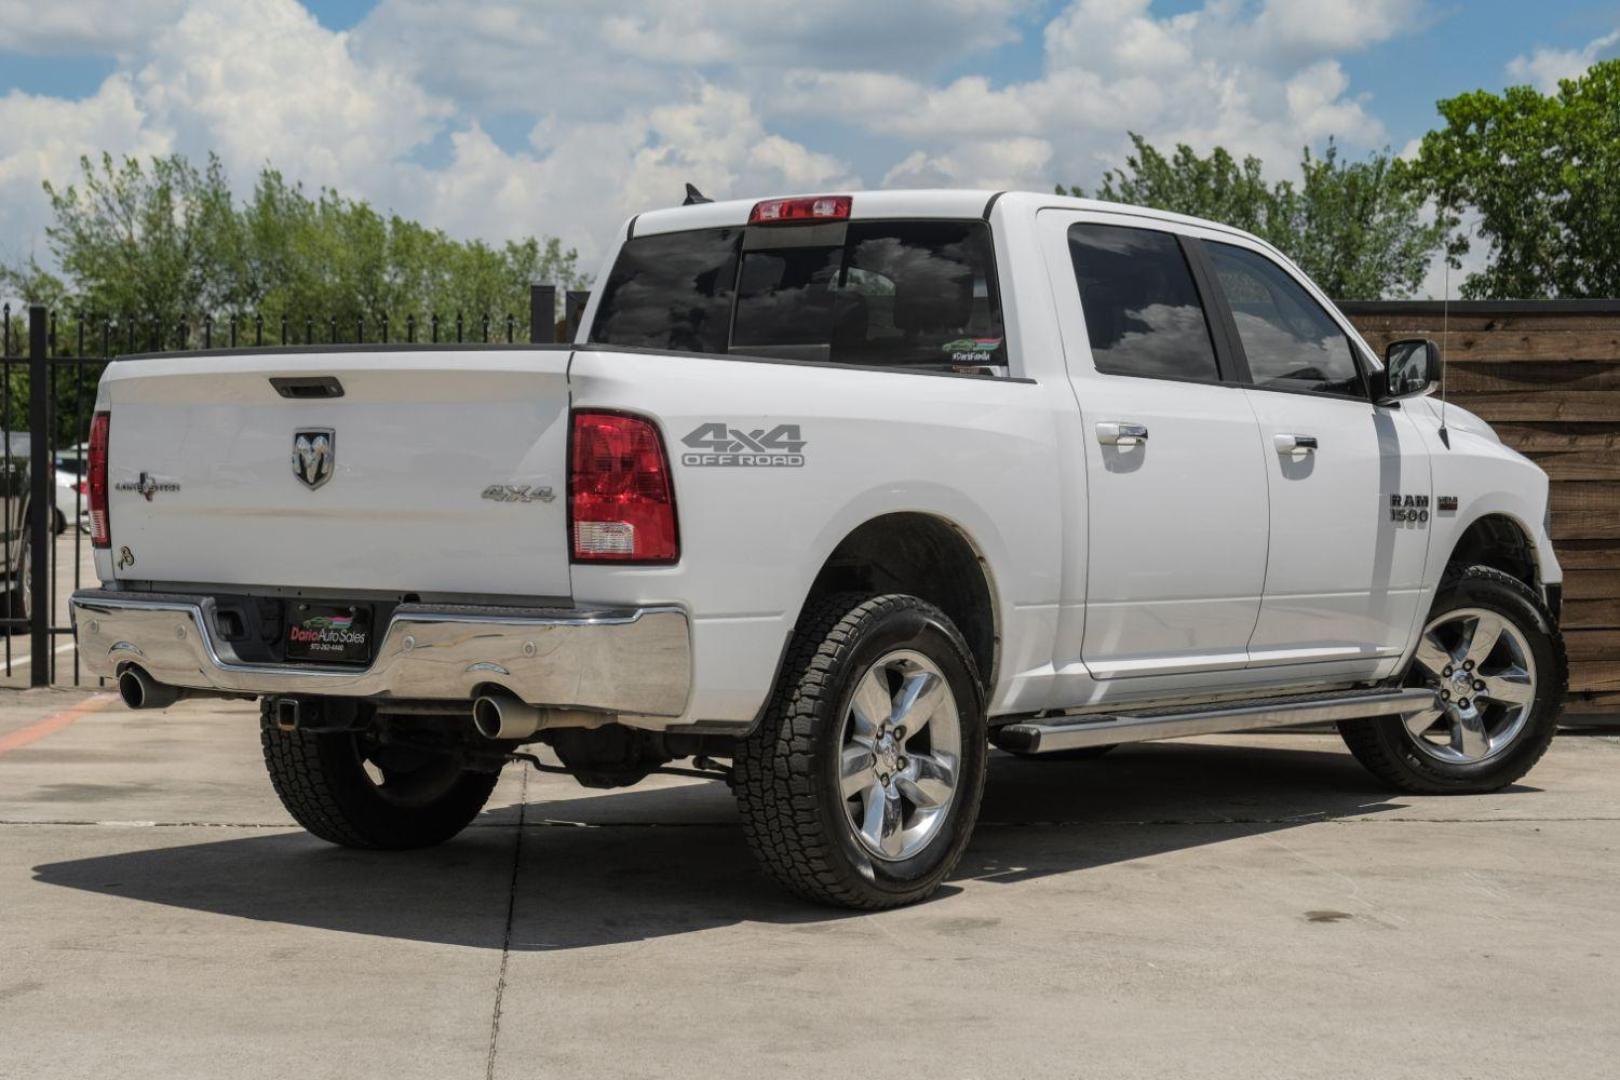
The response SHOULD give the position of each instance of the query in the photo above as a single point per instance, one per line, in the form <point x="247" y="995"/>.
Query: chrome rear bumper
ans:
<point x="635" y="662"/>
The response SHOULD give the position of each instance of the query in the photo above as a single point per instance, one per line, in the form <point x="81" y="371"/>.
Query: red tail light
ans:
<point x="798" y="211"/>
<point x="621" y="506"/>
<point x="100" y="527"/>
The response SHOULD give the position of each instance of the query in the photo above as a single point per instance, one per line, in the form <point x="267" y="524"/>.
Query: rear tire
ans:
<point x="332" y="785"/>
<point x="1492" y="743"/>
<point x="861" y="785"/>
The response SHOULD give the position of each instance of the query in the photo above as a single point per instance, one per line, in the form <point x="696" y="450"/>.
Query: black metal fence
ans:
<point x="51" y="363"/>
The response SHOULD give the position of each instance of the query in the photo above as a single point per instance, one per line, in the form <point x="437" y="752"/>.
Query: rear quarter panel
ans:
<point x="976" y="452"/>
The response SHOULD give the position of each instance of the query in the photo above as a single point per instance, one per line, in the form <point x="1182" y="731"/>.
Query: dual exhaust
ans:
<point x="497" y="715"/>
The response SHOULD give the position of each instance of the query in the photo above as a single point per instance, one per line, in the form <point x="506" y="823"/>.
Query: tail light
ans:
<point x="100" y="527"/>
<point x="621" y="506"/>
<point x="803" y="210"/>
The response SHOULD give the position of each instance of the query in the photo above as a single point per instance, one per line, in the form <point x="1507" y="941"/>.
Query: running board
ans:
<point x="1073" y="732"/>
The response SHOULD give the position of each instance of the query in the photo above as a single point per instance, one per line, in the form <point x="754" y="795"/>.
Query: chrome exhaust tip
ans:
<point x="140" y="691"/>
<point x="502" y="715"/>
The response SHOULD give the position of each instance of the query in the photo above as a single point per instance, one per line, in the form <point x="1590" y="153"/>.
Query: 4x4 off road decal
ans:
<point x="716" y="444"/>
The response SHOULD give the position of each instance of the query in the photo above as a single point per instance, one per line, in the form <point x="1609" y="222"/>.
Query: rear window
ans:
<point x="876" y="293"/>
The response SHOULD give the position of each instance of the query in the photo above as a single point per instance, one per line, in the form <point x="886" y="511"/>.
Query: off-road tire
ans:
<point x="322" y="783"/>
<point x="784" y="774"/>
<point x="1382" y="744"/>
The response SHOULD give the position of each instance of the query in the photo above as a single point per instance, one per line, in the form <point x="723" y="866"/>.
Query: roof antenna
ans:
<point x="1445" y="350"/>
<point x="694" y="196"/>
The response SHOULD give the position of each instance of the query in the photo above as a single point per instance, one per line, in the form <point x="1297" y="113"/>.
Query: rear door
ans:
<point x="1174" y="483"/>
<point x="1349" y="480"/>
<point x="421" y="471"/>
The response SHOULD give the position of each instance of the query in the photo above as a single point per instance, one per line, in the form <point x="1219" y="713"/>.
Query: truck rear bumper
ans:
<point x="636" y="662"/>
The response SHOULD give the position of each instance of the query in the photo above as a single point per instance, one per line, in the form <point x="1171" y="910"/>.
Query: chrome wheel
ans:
<point x="1481" y="666"/>
<point x="901" y="749"/>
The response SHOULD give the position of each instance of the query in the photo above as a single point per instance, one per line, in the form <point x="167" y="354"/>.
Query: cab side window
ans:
<point x="1290" y="341"/>
<point x="1143" y="312"/>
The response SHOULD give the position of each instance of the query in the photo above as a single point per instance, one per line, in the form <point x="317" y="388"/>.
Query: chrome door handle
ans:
<point x="1295" y="444"/>
<point x="1116" y="433"/>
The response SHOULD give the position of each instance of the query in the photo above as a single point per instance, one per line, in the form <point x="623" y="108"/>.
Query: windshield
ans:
<point x="875" y="293"/>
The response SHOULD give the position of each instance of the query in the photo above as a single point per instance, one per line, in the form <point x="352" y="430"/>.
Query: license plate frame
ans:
<point x="328" y="633"/>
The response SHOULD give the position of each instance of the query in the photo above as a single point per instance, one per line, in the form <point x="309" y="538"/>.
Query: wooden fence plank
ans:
<point x="1400" y="326"/>
<point x="1484" y="346"/>
<point x="1529" y="436"/>
<point x="1543" y="405"/>
<point x="1599" y="675"/>
<point x="1562" y="376"/>
<point x="1573" y="467"/>
<point x="1587" y="645"/>
<point x="1589" y="555"/>
<point x="1585" y="525"/>
<point x="1588" y="704"/>
<point x="1592" y="614"/>
<point x="1590" y="496"/>
<point x="1591" y="584"/>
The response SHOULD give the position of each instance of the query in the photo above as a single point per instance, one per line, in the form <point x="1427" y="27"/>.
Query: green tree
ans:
<point x="167" y="244"/>
<point x="1356" y="227"/>
<point x="1542" y="174"/>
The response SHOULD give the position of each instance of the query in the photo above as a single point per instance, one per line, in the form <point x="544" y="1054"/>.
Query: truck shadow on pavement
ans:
<point x="644" y="864"/>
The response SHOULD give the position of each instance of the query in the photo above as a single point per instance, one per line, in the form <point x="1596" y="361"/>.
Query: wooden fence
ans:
<point x="1546" y="376"/>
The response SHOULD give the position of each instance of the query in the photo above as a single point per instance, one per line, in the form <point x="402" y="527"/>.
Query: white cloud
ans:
<point x="623" y="102"/>
<point x="1545" y="67"/>
<point x="85" y="25"/>
<point x="42" y="138"/>
<point x="1255" y="79"/>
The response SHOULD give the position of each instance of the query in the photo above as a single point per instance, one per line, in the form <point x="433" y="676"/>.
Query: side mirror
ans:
<point x="1411" y="369"/>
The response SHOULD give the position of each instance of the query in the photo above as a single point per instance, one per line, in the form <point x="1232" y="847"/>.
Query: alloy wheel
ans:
<point x="1482" y="668"/>
<point x="901" y="752"/>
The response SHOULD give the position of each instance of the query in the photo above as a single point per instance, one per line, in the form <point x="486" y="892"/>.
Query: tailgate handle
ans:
<point x="307" y="386"/>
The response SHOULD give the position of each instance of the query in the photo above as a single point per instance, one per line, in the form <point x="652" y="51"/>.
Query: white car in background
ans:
<point x="72" y="493"/>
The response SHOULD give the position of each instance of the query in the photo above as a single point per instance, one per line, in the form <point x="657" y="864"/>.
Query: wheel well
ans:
<point x="925" y="557"/>
<point x="1497" y="541"/>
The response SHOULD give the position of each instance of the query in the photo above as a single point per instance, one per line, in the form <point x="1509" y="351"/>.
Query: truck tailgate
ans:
<point x="435" y="471"/>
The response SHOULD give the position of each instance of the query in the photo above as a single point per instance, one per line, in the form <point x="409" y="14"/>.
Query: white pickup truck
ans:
<point x="830" y="496"/>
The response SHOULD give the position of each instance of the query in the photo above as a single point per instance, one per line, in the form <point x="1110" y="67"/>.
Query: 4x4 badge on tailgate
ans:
<point x="314" y="456"/>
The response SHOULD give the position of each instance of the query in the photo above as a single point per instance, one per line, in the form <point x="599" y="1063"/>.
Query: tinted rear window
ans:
<point x="879" y="293"/>
<point x="1143" y="313"/>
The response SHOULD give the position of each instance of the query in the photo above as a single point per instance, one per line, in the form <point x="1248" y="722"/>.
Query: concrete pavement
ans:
<point x="1248" y="907"/>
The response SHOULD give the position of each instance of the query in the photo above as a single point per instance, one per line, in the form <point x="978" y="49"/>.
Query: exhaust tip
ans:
<point x="487" y="717"/>
<point x="132" y="688"/>
<point x="140" y="691"/>
<point x="504" y="716"/>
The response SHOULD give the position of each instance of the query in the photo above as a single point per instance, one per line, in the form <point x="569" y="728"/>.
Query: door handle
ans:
<point x="1117" y="433"/>
<point x="1295" y="444"/>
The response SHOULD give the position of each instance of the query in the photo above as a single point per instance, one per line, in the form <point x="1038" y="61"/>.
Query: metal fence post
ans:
<point x="39" y="498"/>
<point x="542" y="314"/>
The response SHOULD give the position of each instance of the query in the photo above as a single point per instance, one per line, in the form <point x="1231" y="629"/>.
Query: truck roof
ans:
<point x="913" y="203"/>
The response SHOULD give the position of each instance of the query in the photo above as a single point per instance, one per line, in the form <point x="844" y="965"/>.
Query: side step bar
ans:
<point x="1073" y="732"/>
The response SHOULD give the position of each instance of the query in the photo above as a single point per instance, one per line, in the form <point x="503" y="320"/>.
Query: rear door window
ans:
<point x="874" y="293"/>
<point x="1143" y="313"/>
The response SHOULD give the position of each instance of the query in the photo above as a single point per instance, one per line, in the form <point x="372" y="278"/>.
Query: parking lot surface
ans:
<point x="1244" y="907"/>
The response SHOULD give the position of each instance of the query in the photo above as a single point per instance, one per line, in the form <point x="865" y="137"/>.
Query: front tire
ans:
<point x="861" y="785"/>
<point x="1491" y="649"/>
<point x="347" y="789"/>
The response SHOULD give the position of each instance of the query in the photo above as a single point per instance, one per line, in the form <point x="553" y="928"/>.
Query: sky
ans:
<point x="498" y="119"/>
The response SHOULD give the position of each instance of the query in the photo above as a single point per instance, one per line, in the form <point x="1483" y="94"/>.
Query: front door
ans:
<point x="1175" y="485"/>
<point x="1348" y="480"/>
